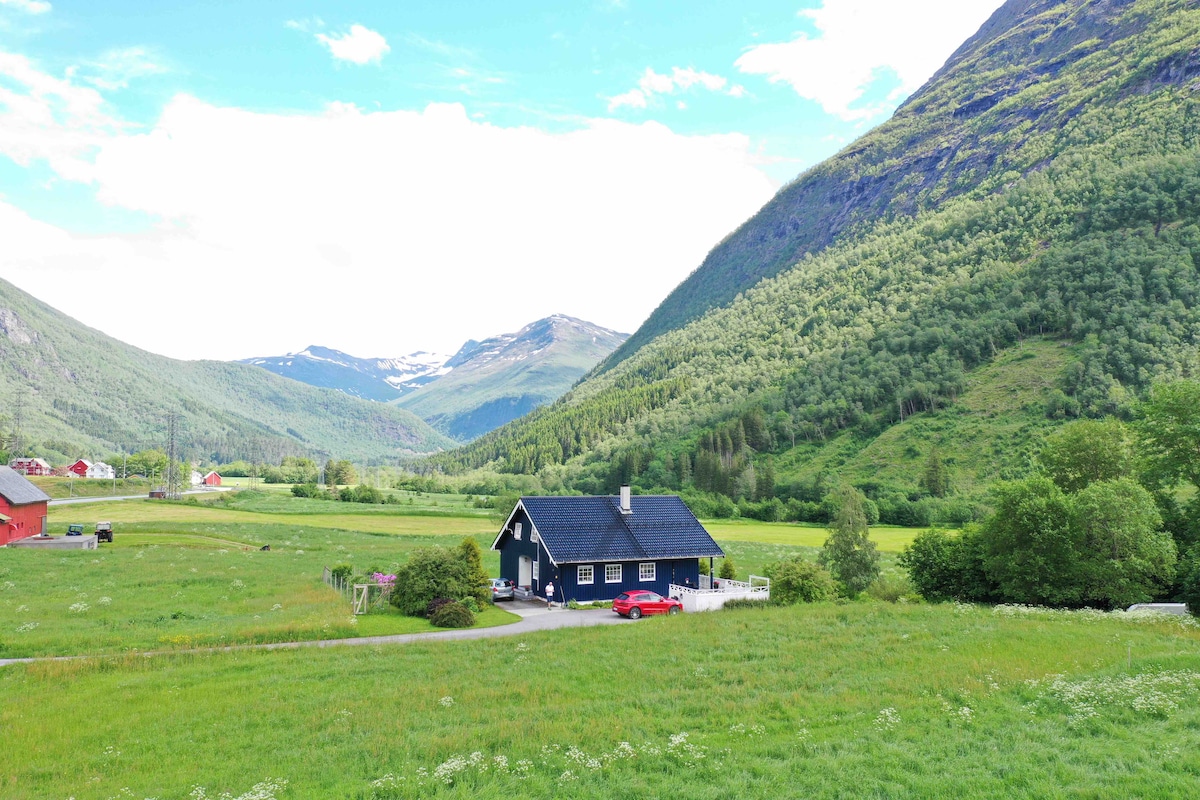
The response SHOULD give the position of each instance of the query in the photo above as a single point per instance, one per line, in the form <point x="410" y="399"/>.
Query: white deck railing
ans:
<point x="709" y="598"/>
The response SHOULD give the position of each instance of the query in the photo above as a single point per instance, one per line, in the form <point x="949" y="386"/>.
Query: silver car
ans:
<point x="502" y="589"/>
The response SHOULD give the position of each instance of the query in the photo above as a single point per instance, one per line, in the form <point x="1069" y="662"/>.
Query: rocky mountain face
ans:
<point x="1043" y="185"/>
<point x="380" y="379"/>
<point x="999" y="109"/>
<point x="482" y="386"/>
<point x="489" y="383"/>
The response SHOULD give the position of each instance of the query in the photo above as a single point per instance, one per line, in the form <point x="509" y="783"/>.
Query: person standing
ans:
<point x="550" y="594"/>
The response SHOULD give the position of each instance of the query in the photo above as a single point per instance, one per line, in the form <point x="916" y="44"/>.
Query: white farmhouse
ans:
<point x="101" y="470"/>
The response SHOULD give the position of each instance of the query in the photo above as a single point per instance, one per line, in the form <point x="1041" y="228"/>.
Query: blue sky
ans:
<point x="477" y="164"/>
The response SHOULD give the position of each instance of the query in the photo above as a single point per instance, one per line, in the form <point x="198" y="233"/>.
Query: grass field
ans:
<point x="857" y="700"/>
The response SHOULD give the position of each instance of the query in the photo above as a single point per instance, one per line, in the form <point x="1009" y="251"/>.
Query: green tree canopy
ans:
<point x="1169" y="430"/>
<point x="1086" y="451"/>
<point x="849" y="554"/>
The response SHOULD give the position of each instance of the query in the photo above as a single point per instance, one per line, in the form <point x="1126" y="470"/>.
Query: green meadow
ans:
<point x="855" y="700"/>
<point x="862" y="699"/>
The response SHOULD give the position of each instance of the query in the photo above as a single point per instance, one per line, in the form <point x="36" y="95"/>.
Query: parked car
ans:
<point x="75" y="529"/>
<point x="502" y="589"/>
<point x="635" y="604"/>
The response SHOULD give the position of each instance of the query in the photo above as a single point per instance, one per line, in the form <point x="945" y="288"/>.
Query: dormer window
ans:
<point x="517" y="531"/>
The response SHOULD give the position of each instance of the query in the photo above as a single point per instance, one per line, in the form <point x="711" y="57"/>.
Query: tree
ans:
<point x="1124" y="557"/>
<point x="1189" y="580"/>
<point x="798" y="580"/>
<point x="1169" y="432"/>
<point x="728" y="570"/>
<point x="849" y="554"/>
<point x="477" y="577"/>
<point x="935" y="478"/>
<point x="936" y="566"/>
<point x="1085" y="451"/>
<point x="1030" y="548"/>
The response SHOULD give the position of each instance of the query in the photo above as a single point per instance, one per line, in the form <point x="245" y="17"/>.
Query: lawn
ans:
<point x="852" y="700"/>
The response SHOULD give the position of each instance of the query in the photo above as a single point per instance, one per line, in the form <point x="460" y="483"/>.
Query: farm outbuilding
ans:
<point x="31" y="466"/>
<point x="211" y="479"/>
<point x="594" y="548"/>
<point x="22" y="507"/>
<point x="80" y="467"/>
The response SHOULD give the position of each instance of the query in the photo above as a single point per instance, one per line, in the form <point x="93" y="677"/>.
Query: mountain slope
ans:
<point x="82" y="391"/>
<point x="1023" y="82"/>
<point x="1050" y="188"/>
<point x="499" y="379"/>
<point x="380" y="379"/>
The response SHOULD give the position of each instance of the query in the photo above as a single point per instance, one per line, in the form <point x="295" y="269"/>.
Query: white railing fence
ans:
<point x="711" y="595"/>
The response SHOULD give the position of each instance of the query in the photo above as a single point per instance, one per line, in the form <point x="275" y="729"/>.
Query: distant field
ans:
<point x="826" y="701"/>
<point x="887" y="539"/>
<point x="85" y="487"/>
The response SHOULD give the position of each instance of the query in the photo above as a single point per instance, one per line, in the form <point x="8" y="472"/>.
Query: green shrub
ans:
<point x="472" y="604"/>
<point x="796" y="580"/>
<point x="728" y="570"/>
<point x="341" y="572"/>
<point x="429" y="573"/>
<point x="452" y="614"/>
<point x="744" y="602"/>
<point x="478" y="584"/>
<point x="1189" y="580"/>
<point x="891" y="587"/>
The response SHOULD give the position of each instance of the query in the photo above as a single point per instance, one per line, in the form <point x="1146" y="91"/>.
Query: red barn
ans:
<point x="22" y="507"/>
<point x="80" y="467"/>
<point x="211" y="479"/>
<point x="31" y="466"/>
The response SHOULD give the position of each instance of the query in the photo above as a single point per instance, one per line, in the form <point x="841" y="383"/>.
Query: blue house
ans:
<point x="594" y="548"/>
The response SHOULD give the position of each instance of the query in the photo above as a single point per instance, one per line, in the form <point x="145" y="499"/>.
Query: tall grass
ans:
<point x="858" y="700"/>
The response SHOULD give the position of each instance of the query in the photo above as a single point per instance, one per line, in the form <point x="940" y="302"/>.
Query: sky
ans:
<point x="234" y="179"/>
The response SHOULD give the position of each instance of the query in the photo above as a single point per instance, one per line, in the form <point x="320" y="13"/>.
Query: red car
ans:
<point x="635" y="604"/>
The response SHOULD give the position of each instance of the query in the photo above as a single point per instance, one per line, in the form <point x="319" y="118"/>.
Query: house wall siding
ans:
<point x="667" y="571"/>
<point x="27" y="520"/>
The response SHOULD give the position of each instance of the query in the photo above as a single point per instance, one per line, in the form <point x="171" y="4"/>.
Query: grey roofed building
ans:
<point x="17" y="490"/>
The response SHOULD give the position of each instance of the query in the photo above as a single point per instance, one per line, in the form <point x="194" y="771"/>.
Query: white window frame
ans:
<point x="620" y="573"/>
<point x="642" y="576"/>
<point x="517" y="531"/>
<point x="537" y="563"/>
<point x="585" y="569"/>
<point x="533" y="536"/>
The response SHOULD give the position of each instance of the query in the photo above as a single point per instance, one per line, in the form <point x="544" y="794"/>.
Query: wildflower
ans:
<point x="79" y="608"/>
<point x="888" y="718"/>
<point x="446" y="702"/>
<point x="104" y="600"/>
<point x="28" y="626"/>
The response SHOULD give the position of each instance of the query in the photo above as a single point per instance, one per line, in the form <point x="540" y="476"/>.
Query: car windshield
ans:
<point x="623" y="596"/>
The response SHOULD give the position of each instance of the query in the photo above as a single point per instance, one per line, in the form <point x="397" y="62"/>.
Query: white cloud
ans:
<point x="28" y="6"/>
<point x="375" y="232"/>
<point x="359" y="46"/>
<point x="860" y="41"/>
<point x="652" y="83"/>
<point x="116" y="68"/>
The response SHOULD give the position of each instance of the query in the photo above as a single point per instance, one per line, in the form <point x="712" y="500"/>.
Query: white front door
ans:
<point x="526" y="572"/>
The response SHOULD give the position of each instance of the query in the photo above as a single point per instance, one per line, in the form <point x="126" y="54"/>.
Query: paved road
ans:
<point x="67" y="501"/>
<point x="534" y="617"/>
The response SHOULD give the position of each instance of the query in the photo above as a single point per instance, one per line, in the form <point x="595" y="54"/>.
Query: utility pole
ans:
<point x="173" y="489"/>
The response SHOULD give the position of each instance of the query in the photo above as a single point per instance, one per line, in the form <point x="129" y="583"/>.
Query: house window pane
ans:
<point x="646" y="572"/>
<point x="517" y="531"/>
<point x="536" y="563"/>
<point x="586" y="574"/>
<point x="612" y="573"/>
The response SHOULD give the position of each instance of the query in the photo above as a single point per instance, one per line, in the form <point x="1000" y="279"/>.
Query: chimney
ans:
<point x="625" y="507"/>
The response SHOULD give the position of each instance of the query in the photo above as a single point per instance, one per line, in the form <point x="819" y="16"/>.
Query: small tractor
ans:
<point x="104" y="532"/>
<point x="75" y="529"/>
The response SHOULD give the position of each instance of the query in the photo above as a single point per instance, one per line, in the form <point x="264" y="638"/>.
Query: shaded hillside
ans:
<point x="502" y="378"/>
<point x="1098" y="246"/>
<point x="1015" y="96"/>
<point x="82" y="391"/>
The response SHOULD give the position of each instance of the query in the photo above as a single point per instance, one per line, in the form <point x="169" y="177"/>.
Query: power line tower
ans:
<point x="18" y="417"/>
<point x="174" y="486"/>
